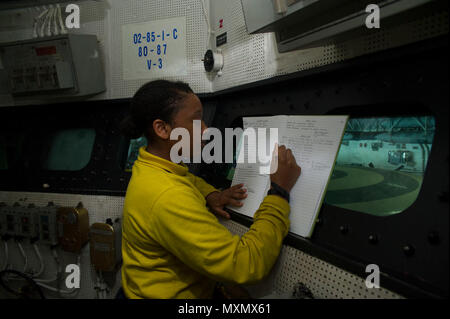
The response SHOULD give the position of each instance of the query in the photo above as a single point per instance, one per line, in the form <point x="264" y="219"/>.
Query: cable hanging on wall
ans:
<point x="49" y="22"/>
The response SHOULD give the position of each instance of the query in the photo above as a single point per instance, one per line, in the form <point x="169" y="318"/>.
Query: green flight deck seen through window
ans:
<point x="70" y="150"/>
<point x="380" y="165"/>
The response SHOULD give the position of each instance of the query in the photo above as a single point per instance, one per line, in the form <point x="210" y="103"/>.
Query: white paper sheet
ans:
<point x="314" y="141"/>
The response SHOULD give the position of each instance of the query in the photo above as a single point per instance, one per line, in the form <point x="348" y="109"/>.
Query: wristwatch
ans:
<point x="278" y="190"/>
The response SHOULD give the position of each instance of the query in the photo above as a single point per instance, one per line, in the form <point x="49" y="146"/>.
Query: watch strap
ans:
<point x="278" y="190"/>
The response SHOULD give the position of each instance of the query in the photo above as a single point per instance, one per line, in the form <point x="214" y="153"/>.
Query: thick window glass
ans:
<point x="70" y="150"/>
<point x="381" y="163"/>
<point x="133" y="152"/>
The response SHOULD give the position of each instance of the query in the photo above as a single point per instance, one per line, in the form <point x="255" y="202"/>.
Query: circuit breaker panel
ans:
<point x="66" y="65"/>
<point x="49" y="225"/>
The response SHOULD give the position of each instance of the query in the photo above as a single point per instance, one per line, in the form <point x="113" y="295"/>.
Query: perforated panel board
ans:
<point x="136" y="11"/>
<point x="249" y="58"/>
<point x="244" y="54"/>
<point x="293" y="266"/>
<point x="323" y="279"/>
<point x="99" y="207"/>
<point x="105" y="19"/>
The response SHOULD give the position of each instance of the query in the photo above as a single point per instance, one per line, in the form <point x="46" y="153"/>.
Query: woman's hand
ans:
<point x="287" y="171"/>
<point x="231" y="196"/>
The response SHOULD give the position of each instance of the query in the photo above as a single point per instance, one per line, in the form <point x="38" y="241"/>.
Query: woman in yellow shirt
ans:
<point x="173" y="246"/>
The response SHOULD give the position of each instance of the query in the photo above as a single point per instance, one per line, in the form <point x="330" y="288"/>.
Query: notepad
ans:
<point x="314" y="141"/>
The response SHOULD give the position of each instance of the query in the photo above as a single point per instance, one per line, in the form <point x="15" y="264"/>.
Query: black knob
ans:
<point x="408" y="250"/>
<point x="208" y="61"/>
<point x="433" y="238"/>
<point x="109" y="221"/>
<point x="373" y="239"/>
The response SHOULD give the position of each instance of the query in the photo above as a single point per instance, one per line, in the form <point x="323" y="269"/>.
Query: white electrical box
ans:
<point x="34" y="223"/>
<point x="26" y="222"/>
<point x="65" y="65"/>
<point x="47" y="225"/>
<point x="301" y="24"/>
<point x="10" y="222"/>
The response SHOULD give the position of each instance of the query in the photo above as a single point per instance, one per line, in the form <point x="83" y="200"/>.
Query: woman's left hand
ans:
<point x="231" y="196"/>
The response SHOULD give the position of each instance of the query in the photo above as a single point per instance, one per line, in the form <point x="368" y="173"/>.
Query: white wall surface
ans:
<point x="105" y="19"/>
<point x="247" y="58"/>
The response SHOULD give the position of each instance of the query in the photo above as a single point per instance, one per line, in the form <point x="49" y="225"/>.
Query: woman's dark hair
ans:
<point x="154" y="100"/>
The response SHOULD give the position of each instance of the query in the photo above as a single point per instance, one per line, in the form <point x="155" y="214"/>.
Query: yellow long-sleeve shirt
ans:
<point x="174" y="247"/>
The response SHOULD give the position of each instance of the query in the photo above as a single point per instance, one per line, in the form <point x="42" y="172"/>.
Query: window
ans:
<point x="381" y="163"/>
<point x="70" y="149"/>
<point x="133" y="151"/>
